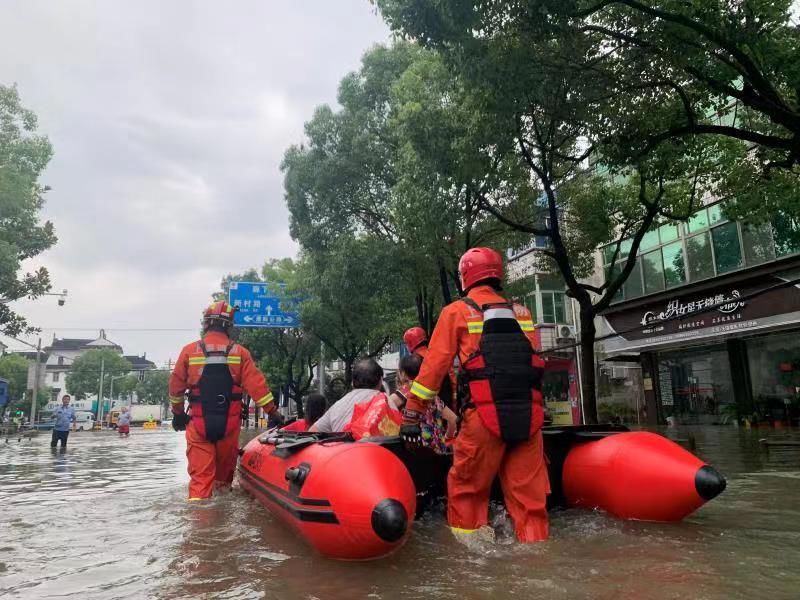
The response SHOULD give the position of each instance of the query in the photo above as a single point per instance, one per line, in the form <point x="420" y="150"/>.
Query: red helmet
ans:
<point x="479" y="264"/>
<point x="414" y="338"/>
<point x="219" y="311"/>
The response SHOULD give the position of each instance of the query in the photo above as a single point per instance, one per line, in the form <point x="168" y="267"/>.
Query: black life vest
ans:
<point x="503" y="379"/>
<point x="215" y="391"/>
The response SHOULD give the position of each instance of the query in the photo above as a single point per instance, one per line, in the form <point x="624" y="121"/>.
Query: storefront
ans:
<point x="717" y="353"/>
<point x="560" y="389"/>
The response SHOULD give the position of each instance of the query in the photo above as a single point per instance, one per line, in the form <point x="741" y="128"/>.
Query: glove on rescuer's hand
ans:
<point x="179" y="422"/>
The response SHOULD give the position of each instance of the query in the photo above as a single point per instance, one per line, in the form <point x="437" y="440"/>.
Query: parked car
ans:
<point x="44" y="425"/>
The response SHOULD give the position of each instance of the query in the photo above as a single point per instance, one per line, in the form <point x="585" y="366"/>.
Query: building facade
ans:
<point x="554" y="317"/>
<point x="57" y="359"/>
<point x="711" y="316"/>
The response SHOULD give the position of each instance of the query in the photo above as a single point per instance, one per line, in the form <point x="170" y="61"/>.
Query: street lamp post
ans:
<point x="111" y="390"/>
<point x="36" y="383"/>
<point x="62" y="300"/>
<point x="100" y="393"/>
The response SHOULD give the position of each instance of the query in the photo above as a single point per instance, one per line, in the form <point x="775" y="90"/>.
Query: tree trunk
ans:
<point x="298" y="400"/>
<point x="420" y="301"/>
<point x="348" y="372"/>
<point x="588" y="374"/>
<point x="447" y="297"/>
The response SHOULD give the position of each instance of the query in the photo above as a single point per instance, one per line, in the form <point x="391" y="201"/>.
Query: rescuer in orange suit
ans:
<point x="214" y="372"/>
<point x="416" y="341"/>
<point x="501" y="402"/>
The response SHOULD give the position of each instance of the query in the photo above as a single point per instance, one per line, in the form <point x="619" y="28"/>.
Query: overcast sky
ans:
<point x="169" y="121"/>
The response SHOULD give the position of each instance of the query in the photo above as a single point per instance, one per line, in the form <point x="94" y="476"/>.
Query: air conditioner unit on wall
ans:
<point x="566" y="332"/>
<point x="618" y="373"/>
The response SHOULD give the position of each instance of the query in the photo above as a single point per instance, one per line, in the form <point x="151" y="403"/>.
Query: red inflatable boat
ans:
<point x="356" y="500"/>
<point x="348" y="500"/>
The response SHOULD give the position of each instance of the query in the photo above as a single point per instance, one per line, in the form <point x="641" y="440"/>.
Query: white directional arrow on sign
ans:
<point x="248" y="319"/>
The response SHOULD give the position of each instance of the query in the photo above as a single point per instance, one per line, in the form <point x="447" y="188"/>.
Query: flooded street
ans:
<point x="109" y="519"/>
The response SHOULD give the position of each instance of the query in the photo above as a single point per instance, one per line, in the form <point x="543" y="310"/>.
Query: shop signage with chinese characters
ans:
<point x="726" y="304"/>
<point x="712" y="312"/>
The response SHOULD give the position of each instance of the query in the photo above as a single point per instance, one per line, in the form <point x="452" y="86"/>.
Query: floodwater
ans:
<point x="108" y="519"/>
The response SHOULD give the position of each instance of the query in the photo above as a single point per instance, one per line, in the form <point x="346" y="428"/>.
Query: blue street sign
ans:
<point x="3" y="392"/>
<point x="259" y="306"/>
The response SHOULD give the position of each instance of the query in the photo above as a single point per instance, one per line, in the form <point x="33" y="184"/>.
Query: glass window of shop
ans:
<point x="707" y="245"/>
<point x="698" y="255"/>
<point x="758" y="244"/>
<point x="774" y="363"/>
<point x="695" y="385"/>
<point x="787" y="235"/>
<point x="727" y="249"/>
<point x="653" y="271"/>
<point x="674" y="267"/>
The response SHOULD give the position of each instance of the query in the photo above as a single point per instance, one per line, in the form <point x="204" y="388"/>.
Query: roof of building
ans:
<point x="31" y="355"/>
<point x="74" y="344"/>
<point x="140" y="362"/>
<point x="69" y="344"/>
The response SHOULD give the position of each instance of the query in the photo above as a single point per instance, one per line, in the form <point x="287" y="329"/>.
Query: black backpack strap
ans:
<point x="471" y="303"/>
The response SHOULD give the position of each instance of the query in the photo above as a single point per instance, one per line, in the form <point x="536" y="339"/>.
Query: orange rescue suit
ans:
<point x="214" y="462"/>
<point x="479" y="454"/>
<point x="452" y="400"/>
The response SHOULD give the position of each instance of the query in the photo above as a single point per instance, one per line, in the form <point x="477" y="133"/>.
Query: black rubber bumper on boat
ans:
<point x="389" y="520"/>
<point x="709" y="483"/>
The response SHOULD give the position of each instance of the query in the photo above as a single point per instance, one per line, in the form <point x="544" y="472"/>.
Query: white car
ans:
<point x="84" y="421"/>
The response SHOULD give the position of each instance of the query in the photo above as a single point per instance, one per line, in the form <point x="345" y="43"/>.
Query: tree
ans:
<point x="23" y="157"/>
<point x="14" y="369"/>
<point x="351" y="300"/>
<point x="153" y="389"/>
<point x="124" y="387"/>
<point x="362" y="172"/>
<point x="84" y="375"/>
<point x="551" y="103"/>
<point x="287" y="357"/>
<point x="693" y="55"/>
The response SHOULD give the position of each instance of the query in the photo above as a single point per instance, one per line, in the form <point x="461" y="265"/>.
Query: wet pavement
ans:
<point x="108" y="519"/>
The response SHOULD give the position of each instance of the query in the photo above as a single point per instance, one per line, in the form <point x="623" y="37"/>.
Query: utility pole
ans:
<point x="35" y="398"/>
<point x="100" y="393"/>
<point x="321" y="369"/>
<point x="167" y="409"/>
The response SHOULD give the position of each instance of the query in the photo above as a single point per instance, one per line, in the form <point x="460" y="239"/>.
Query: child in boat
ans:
<point x="315" y="407"/>
<point x="439" y="424"/>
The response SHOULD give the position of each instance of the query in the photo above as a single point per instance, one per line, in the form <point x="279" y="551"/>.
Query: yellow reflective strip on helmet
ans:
<point x="420" y="391"/>
<point x="265" y="400"/>
<point x="176" y="399"/>
<point x="461" y="530"/>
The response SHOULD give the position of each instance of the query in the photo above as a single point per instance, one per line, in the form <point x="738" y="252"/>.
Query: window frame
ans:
<point x="684" y="235"/>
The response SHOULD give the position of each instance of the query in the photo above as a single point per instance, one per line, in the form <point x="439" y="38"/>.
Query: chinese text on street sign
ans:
<point x="258" y="305"/>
